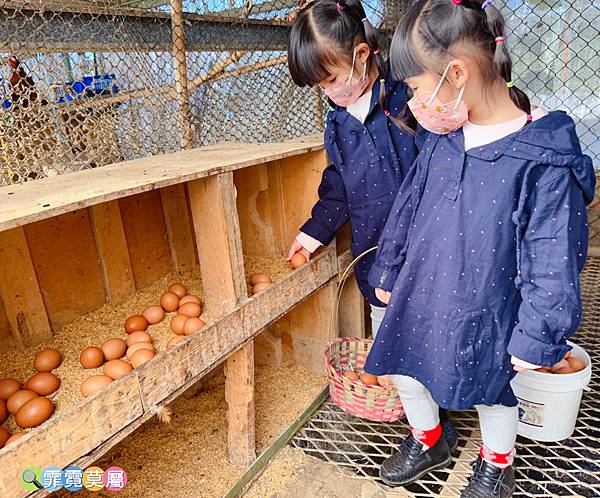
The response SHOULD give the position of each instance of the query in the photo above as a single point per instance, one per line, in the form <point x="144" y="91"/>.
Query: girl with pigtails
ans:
<point x="332" y="44"/>
<point x="481" y="254"/>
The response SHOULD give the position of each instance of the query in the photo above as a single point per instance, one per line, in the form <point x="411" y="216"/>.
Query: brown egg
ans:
<point x="178" y="290"/>
<point x="138" y="336"/>
<point x="135" y="323"/>
<point x="15" y="437"/>
<point x="367" y="378"/>
<point x="93" y="384"/>
<point x="543" y="370"/>
<point x="140" y="357"/>
<point x="564" y="370"/>
<point x="113" y="349"/>
<point x="177" y="323"/>
<point x="192" y="325"/>
<point x="91" y="357"/>
<point x="190" y="299"/>
<point x="154" y="314"/>
<point x="115" y="369"/>
<point x="568" y="355"/>
<point x="43" y="383"/>
<point x="297" y="260"/>
<point x="3" y="411"/>
<point x="34" y="412"/>
<point x="8" y="387"/>
<point x="351" y="374"/>
<point x="576" y="363"/>
<point x="4" y="437"/>
<point x="260" y="287"/>
<point x="190" y="309"/>
<point x="137" y="346"/>
<point x="46" y="360"/>
<point x="169" y="301"/>
<point x="174" y="340"/>
<point x="258" y="278"/>
<point x="17" y="400"/>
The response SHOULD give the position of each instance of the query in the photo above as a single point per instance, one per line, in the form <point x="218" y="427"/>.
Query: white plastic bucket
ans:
<point x="549" y="403"/>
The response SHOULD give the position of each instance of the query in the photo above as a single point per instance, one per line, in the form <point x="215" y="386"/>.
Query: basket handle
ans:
<point x="333" y="318"/>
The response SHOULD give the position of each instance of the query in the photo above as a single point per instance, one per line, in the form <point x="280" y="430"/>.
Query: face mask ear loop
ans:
<point x="352" y="71"/>
<point x="364" y="76"/>
<point x="439" y="85"/>
<point x="460" y="96"/>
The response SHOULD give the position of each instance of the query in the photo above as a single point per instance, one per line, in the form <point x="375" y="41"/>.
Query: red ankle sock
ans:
<point x="428" y="438"/>
<point x="500" y="460"/>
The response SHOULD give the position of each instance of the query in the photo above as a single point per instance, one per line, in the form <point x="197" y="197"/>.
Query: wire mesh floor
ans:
<point x="569" y="468"/>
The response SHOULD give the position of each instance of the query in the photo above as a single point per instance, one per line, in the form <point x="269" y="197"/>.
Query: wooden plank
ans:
<point x="351" y="311"/>
<point x="179" y="227"/>
<point x="310" y="328"/>
<point x="68" y="435"/>
<point x="66" y="264"/>
<point x="146" y="236"/>
<point x="34" y="201"/>
<point x="260" y="208"/>
<point x="268" y="348"/>
<point x="113" y="254"/>
<point x="20" y="291"/>
<point x="218" y="239"/>
<point x="239" y="395"/>
<point x="300" y="178"/>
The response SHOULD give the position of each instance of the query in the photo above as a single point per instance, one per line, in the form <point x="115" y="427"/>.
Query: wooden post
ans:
<point x="217" y="229"/>
<point x="113" y="254"/>
<point x="20" y="291"/>
<point x="180" y="67"/>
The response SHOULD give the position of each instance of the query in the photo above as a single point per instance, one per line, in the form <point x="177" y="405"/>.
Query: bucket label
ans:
<point x="531" y="413"/>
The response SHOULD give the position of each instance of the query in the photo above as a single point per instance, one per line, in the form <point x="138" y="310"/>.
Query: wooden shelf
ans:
<point x="122" y="227"/>
<point x="38" y="200"/>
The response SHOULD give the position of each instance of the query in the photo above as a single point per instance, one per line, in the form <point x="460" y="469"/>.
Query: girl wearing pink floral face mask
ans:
<point x="481" y="255"/>
<point x="333" y="45"/>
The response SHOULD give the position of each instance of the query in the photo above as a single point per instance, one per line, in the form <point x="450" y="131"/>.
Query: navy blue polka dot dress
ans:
<point x="369" y="162"/>
<point x="482" y="252"/>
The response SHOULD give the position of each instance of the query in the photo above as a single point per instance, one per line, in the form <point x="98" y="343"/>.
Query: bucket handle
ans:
<point x="333" y="318"/>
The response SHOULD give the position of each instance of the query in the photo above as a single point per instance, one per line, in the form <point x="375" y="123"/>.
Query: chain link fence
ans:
<point x="89" y="83"/>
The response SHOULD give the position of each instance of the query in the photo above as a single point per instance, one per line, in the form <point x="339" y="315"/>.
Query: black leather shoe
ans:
<point x="449" y="431"/>
<point x="489" y="481"/>
<point x="413" y="461"/>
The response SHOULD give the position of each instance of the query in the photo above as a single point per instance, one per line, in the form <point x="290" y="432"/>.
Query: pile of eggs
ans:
<point x="139" y="347"/>
<point x="576" y="364"/>
<point x="27" y="402"/>
<point x="365" y="377"/>
<point x="259" y="282"/>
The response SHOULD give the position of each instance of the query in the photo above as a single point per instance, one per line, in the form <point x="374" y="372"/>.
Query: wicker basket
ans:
<point x="377" y="403"/>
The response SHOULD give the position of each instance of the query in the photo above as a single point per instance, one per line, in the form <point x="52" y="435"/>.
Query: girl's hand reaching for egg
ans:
<point x="382" y="295"/>
<point x="297" y="247"/>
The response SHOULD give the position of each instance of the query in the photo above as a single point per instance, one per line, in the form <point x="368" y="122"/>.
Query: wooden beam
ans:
<point x="239" y="395"/>
<point x="180" y="70"/>
<point x="179" y="227"/>
<point x="33" y="201"/>
<point x="20" y="291"/>
<point x="219" y="243"/>
<point x="113" y="254"/>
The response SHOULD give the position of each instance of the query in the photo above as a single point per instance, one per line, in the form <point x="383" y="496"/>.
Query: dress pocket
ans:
<point x="471" y="332"/>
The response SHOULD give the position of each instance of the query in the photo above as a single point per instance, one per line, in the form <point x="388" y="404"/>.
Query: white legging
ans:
<point x="498" y="423"/>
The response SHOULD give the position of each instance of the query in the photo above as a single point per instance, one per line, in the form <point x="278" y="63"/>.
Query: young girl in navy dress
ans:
<point x="333" y="45"/>
<point x="481" y="255"/>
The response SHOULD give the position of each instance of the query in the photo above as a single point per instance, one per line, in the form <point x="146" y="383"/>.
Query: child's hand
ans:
<point x="297" y="247"/>
<point x="560" y="364"/>
<point x="382" y="295"/>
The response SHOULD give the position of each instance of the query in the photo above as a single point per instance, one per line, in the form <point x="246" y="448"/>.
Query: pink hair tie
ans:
<point x="375" y="52"/>
<point x="386" y="112"/>
<point x="456" y="2"/>
<point x="499" y="39"/>
<point x="529" y="118"/>
<point x="340" y="7"/>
